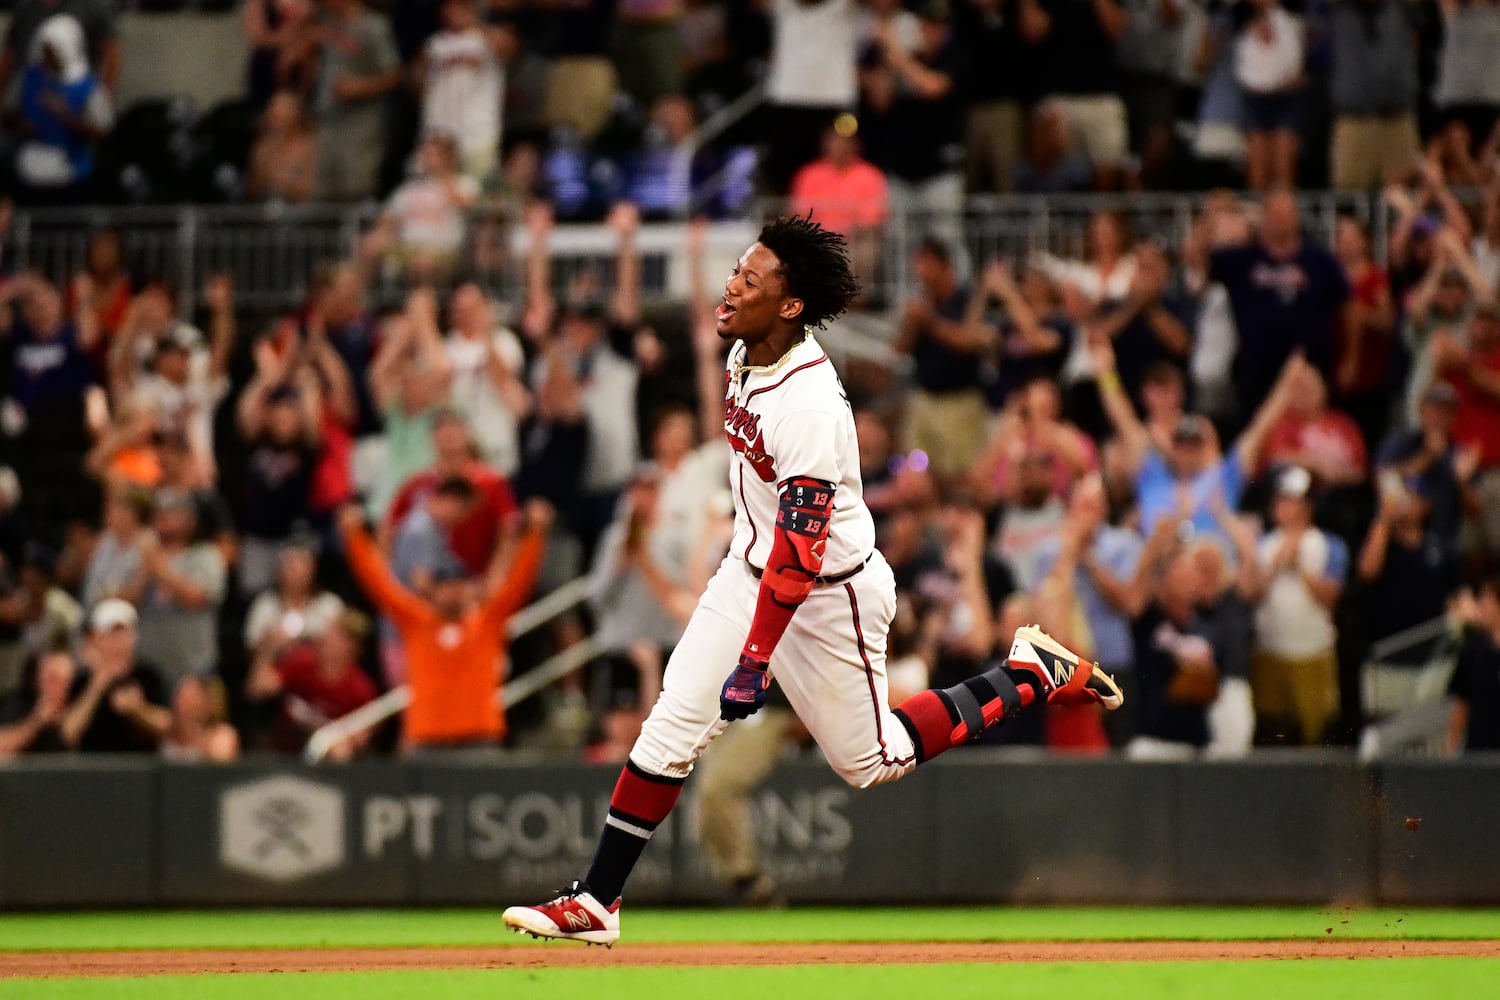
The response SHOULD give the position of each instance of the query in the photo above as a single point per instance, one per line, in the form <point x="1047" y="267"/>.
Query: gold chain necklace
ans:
<point x="739" y="370"/>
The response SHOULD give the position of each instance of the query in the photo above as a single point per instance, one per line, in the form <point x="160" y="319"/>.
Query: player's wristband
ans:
<point x="1109" y="381"/>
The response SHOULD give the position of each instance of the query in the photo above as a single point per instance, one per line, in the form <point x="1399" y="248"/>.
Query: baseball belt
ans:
<point x="823" y="581"/>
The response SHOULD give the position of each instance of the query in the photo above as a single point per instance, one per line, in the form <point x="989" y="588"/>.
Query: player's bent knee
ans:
<point x="670" y="741"/>
<point x="665" y="756"/>
<point x="866" y="772"/>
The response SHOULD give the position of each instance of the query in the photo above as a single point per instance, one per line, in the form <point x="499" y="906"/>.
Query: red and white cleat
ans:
<point x="1065" y="677"/>
<point x="573" y="916"/>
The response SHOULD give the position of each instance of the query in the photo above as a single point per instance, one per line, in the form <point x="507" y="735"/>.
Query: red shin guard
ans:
<point x="936" y="725"/>
<point x="928" y="720"/>
<point x="646" y="798"/>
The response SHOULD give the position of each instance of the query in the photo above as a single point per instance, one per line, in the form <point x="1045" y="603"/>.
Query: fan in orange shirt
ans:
<point x="454" y="639"/>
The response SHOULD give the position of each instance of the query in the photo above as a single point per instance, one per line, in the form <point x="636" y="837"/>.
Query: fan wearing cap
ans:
<point x="1189" y="459"/>
<point x="421" y="551"/>
<point x="1409" y="574"/>
<point x="455" y="635"/>
<point x="1294" y="672"/>
<point x="1444" y="300"/>
<point x="1427" y="453"/>
<point x="167" y="363"/>
<point x="421" y="546"/>
<point x="182" y="471"/>
<point x="179" y="588"/>
<point x="118" y="703"/>
<point x="101" y="43"/>
<point x="486" y="523"/>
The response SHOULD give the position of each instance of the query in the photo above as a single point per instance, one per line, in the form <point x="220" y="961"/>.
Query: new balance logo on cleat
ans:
<point x="1062" y="673"/>
<point x="1065" y="677"/>
<point x="573" y="916"/>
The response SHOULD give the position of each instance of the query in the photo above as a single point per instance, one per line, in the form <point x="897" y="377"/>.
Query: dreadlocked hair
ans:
<point x="814" y="265"/>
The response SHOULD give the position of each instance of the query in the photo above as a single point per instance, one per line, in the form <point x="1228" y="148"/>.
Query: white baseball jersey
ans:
<point x="793" y="420"/>
<point x="790" y="421"/>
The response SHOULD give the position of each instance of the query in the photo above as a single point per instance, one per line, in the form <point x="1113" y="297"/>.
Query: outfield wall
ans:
<point x="108" y="832"/>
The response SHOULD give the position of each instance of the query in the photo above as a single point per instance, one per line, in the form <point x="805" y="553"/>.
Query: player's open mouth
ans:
<point x="724" y="311"/>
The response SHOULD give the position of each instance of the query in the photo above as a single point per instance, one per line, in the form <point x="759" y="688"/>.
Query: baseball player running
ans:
<point x="803" y="594"/>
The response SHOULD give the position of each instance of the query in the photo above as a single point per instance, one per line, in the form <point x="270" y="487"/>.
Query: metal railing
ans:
<point x="527" y="685"/>
<point x="274" y="251"/>
<point x="1422" y="728"/>
<point x="1411" y="638"/>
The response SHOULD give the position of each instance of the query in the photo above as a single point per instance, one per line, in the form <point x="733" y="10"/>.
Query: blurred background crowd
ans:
<point x="693" y="106"/>
<point x="1244" y="453"/>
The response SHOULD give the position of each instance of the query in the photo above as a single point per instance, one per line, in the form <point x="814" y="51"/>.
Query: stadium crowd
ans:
<point x="592" y="101"/>
<point x="1225" y="466"/>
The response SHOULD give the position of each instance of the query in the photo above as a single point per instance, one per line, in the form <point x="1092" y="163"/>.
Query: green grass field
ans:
<point x="1283" y="980"/>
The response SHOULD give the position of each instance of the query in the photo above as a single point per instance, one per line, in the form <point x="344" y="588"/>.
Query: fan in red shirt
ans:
<point x="1366" y="339"/>
<point x="316" y="683"/>
<point x="494" y="512"/>
<point x="1475" y="372"/>
<point x="104" y="288"/>
<point x="1317" y="437"/>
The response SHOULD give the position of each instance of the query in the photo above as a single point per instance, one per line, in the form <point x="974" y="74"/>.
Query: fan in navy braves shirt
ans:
<point x="48" y="361"/>
<point x="1286" y="293"/>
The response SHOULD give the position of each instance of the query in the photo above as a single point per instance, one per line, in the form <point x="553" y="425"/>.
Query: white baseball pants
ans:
<point x="830" y="664"/>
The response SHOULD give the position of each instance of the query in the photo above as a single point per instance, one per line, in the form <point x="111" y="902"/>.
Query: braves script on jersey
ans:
<point x="794" y="421"/>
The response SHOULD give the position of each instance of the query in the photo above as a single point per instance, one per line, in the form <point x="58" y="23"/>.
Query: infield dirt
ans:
<point x="47" y="965"/>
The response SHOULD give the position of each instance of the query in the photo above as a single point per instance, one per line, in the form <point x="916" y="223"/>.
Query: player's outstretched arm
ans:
<point x="796" y="559"/>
